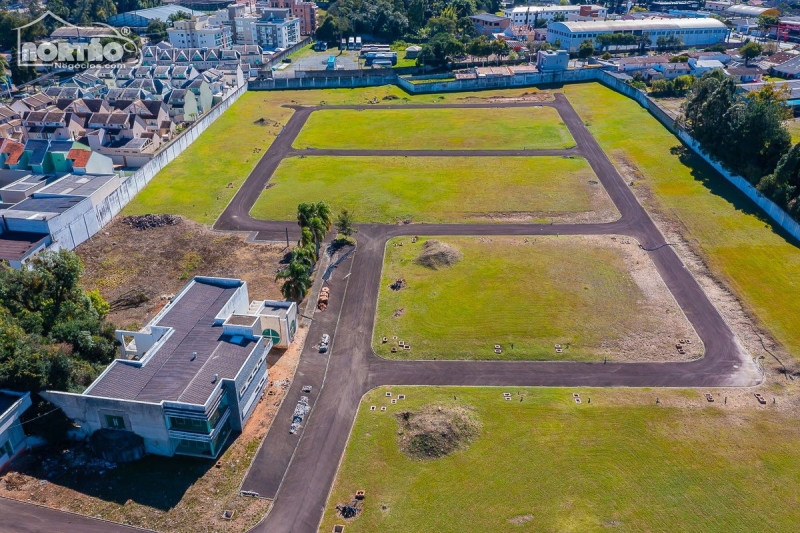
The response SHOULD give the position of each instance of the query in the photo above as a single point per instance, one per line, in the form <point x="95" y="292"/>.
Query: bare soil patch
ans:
<point x="138" y="270"/>
<point x="521" y="519"/>
<point x="756" y="340"/>
<point x="436" y="431"/>
<point x="436" y="254"/>
<point x="538" y="96"/>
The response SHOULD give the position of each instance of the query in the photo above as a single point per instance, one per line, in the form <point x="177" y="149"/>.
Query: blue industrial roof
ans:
<point x="58" y="204"/>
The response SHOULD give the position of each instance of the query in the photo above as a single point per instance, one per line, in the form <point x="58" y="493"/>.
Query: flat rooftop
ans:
<point x="170" y="374"/>
<point x="43" y="208"/>
<point x="274" y="309"/>
<point x="77" y="185"/>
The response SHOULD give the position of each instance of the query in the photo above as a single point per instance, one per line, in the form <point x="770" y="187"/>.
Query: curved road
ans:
<point x="301" y="493"/>
<point x="298" y="471"/>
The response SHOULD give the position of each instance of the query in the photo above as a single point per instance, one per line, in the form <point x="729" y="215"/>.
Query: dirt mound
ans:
<point x="436" y="431"/>
<point x="399" y="283"/>
<point x="436" y="254"/>
<point x="143" y="222"/>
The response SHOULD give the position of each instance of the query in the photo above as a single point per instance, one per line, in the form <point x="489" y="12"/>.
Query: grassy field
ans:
<point x="620" y="463"/>
<point x="201" y="181"/>
<point x="431" y="189"/>
<point x="403" y="129"/>
<point x="793" y="126"/>
<point x="762" y="266"/>
<point x="532" y="292"/>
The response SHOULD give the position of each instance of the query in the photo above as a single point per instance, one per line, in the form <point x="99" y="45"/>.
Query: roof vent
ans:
<point x="216" y="377"/>
<point x="194" y="356"/>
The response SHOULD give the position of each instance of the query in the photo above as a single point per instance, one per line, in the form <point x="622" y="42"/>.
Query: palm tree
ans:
<point x="296" y="282"/>
<point x="305" y="255"/>
<point x="325" y="214"/>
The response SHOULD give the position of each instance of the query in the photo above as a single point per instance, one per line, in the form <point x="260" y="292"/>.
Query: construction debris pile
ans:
<point x="349" y="510"/>
<point x="143" y="222"/>
<point x="324" y="295"/>
<point x="436" y="254"/>
<point x="300" y="411"/>
<point x="399" y="283"/>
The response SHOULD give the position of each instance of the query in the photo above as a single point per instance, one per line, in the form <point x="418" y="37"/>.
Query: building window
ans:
<point x="189" y="425"/>
<point x="115" y="422"/>
<point x="6" y="448"/>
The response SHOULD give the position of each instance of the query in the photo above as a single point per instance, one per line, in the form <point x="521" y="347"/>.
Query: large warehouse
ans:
<point x="140" y="18"/>
<point x="691" y="32"/>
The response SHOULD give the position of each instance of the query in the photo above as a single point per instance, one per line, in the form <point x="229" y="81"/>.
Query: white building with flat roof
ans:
<point x="199" y="32"/>
<point x="691" y="32"/>
<point x="529" y="14"/>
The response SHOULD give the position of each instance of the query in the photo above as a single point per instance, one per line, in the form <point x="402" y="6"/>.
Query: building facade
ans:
<point x="305" y="12"/>
<point x="198" y="32"/>
<point x="12" y="437"/>
<point x="530" y="14"/>
<point x="274" y="28"/>
<point x="193" y="375"/>
<point x="690" y="32"/>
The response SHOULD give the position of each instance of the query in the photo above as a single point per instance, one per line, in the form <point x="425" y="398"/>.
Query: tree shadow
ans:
<point x="154" y="481"/>
<point x="717" y="185"/>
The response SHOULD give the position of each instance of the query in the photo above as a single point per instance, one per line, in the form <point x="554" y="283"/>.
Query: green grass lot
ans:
<point x="431" y="189"/>
<point x="464" y="129"/>
<point x="532" y="292"/>
<point x="201" y="181"/>
<point x="793" y="126"/>
<point x="736" y="239"/>
<point x="620" y="463"/>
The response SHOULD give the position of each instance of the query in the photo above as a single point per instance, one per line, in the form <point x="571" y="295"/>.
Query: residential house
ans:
<point x="670" y="71"/>
<point x="192" y="376"/>
<point x="51" y="124"/>
<point x="182" y="105"/>
<point x="154" y="113"/>
<point x="701" y="66"/>
<point x="487" y="24"/>
<point x="789" y="69"/>
<point x="35" y="102"/>
<point x="745" y="74"/>
<point x="202" y="93"/>
<point x="632" y="64"/>
<point x="10" y="124"/>
<point x="12" y="405"/>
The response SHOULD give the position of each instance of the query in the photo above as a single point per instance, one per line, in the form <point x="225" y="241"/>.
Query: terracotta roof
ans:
<point x="79" y="157"/>
<point x="13" y="149"/>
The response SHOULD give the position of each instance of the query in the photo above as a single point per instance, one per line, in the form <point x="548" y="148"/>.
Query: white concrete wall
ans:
<point x="145" y="419"/>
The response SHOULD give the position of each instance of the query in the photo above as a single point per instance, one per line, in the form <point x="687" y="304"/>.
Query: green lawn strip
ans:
<point x="794" y="129"/>
<point x="405" y="129"/>
<point x="433" y="189"/>
<point x="619" y="463"/>
<point x="762" y="266"/>
<point x="200" y="182"/>
<point x="532" y="292"/>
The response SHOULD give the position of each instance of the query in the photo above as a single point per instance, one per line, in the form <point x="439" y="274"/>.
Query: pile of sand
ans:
<point x="436" y="254"/>
<point x="436" y="431"/>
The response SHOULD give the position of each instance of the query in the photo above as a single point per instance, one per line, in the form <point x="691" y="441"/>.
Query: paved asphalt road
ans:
<point x="301" y="488"/>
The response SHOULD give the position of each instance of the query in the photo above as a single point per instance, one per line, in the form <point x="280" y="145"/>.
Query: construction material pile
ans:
<point x="436" y="431"/>
<point x="436" y="254"/>
<point x="143" y="222"/>
<point x="300" y="411"/>
<point x="324" y="295"/>
<point x="399" y="283"/>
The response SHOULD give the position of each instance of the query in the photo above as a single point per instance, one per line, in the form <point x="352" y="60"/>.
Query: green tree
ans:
<point x="296" y="281"/>
<point x="437" y="25"/>
<point x="782" y="186"/>
<point x="500" y="49"/>
<point x="317" y="218"/>
<point x="586" y="50"/>
<point x="180" y="15"/>
<point x="157" y="31"/>
<point x="750" y="51"/>
<point x="329" y="30"/>
<point x="480" y="47"/>
<point x="344" y="223"/>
